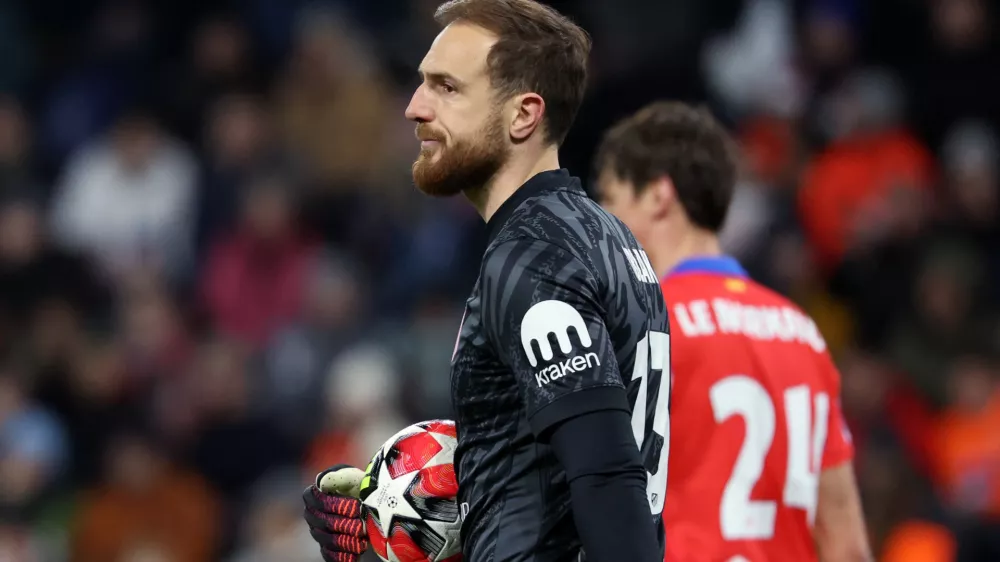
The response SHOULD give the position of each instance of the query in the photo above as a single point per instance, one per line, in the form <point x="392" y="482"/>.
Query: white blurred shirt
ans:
<point x="128" y="218"/>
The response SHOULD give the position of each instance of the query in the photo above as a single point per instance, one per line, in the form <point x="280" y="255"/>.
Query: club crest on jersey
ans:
<point x="555" y="317"/>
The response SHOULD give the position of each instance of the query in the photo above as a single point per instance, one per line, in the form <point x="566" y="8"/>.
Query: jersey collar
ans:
<point x="725" y="266"/>
<point x="543" y="182"/>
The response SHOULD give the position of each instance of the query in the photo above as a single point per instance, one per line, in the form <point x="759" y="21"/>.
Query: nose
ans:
<point x="419" y="109"/>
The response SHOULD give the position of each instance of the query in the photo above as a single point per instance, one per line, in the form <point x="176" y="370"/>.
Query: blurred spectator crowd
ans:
<point x="216" y="279"/>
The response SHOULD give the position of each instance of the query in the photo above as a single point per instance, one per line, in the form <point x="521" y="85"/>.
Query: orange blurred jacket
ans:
<point x="180" y="514"/>
<point x="919" y="541"/>
<point x="965" y="448"/>
<point x="849" y="176"/>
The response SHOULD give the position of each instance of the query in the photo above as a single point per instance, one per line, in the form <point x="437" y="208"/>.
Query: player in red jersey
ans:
<point x="760" y="458"/>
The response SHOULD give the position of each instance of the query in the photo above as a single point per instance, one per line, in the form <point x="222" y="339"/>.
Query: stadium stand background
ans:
<point x="216" y="278"/>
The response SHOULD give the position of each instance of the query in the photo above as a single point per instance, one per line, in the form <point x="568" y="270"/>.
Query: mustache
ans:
<point x="425" y="133"/>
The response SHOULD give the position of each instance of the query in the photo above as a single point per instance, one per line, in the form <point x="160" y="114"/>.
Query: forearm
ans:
<point x="608" y="487"/>
<point x="833" y="553"/>
<point x="846" y="547"/>
<point x="839" y="532"/>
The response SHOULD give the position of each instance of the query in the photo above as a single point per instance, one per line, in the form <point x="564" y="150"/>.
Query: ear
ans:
<point x="659" y="197"/>
<point x="527" y="115"/>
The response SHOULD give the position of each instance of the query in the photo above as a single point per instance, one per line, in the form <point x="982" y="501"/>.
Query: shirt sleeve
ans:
<point x="607" y="484"/>
<point x="839" y="443"/>
<point x="542" y="315"/>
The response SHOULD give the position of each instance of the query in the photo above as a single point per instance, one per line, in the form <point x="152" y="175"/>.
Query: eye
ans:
<point x="448" y="88"/>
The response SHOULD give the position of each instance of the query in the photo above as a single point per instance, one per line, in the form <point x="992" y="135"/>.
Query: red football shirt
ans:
<point x="756" y="416"/>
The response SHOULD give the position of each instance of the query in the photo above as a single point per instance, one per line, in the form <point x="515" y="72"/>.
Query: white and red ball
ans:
<point x="412" y="514"/>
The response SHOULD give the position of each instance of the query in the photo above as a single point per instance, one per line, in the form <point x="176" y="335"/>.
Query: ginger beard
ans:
<point x="465" y="163"/>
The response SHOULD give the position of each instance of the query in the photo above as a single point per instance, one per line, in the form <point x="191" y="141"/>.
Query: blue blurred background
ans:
<point x="217" y="279"/>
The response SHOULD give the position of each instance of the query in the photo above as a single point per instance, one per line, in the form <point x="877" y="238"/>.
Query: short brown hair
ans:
<point x="539" y="50"/>
<point x="683" y="143"/>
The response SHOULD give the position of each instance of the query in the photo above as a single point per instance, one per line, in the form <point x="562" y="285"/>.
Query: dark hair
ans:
<point x="539" y="50"/>
<point x="683" y="143"/>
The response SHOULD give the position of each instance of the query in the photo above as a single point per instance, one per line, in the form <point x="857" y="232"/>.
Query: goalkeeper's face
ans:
<point x="463" y="140"/>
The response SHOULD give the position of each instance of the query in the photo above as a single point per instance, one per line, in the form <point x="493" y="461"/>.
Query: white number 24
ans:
<point x="741" y="518"/>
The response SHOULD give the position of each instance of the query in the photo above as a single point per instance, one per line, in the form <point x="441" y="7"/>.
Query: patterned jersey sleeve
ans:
<point x="542" y="315"/>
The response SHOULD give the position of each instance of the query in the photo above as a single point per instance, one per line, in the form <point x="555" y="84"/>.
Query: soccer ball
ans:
<point x="410" y="508"/>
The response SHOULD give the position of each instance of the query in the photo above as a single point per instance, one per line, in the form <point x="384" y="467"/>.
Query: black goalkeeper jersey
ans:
<point x="566" y="318"/>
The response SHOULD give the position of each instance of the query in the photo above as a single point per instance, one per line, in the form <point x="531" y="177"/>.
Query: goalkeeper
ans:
<point x="554" y="457"/>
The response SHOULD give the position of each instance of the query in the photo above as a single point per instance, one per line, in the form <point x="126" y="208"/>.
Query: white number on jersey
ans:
<point x="652" y="355"/>
<point x="741" y="518"/>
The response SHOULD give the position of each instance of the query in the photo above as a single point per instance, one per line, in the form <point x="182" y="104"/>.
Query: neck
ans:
<point x="509" y="178"/>
<point x="678" y="242"/>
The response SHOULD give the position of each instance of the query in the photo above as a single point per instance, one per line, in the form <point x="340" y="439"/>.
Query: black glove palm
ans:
<point x="333" y="512"/>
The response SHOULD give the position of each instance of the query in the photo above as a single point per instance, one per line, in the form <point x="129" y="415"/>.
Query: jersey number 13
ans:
<point x="652" y="369"/>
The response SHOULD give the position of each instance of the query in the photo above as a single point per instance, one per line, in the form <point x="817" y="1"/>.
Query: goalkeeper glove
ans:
<point x="333" y="512"/>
